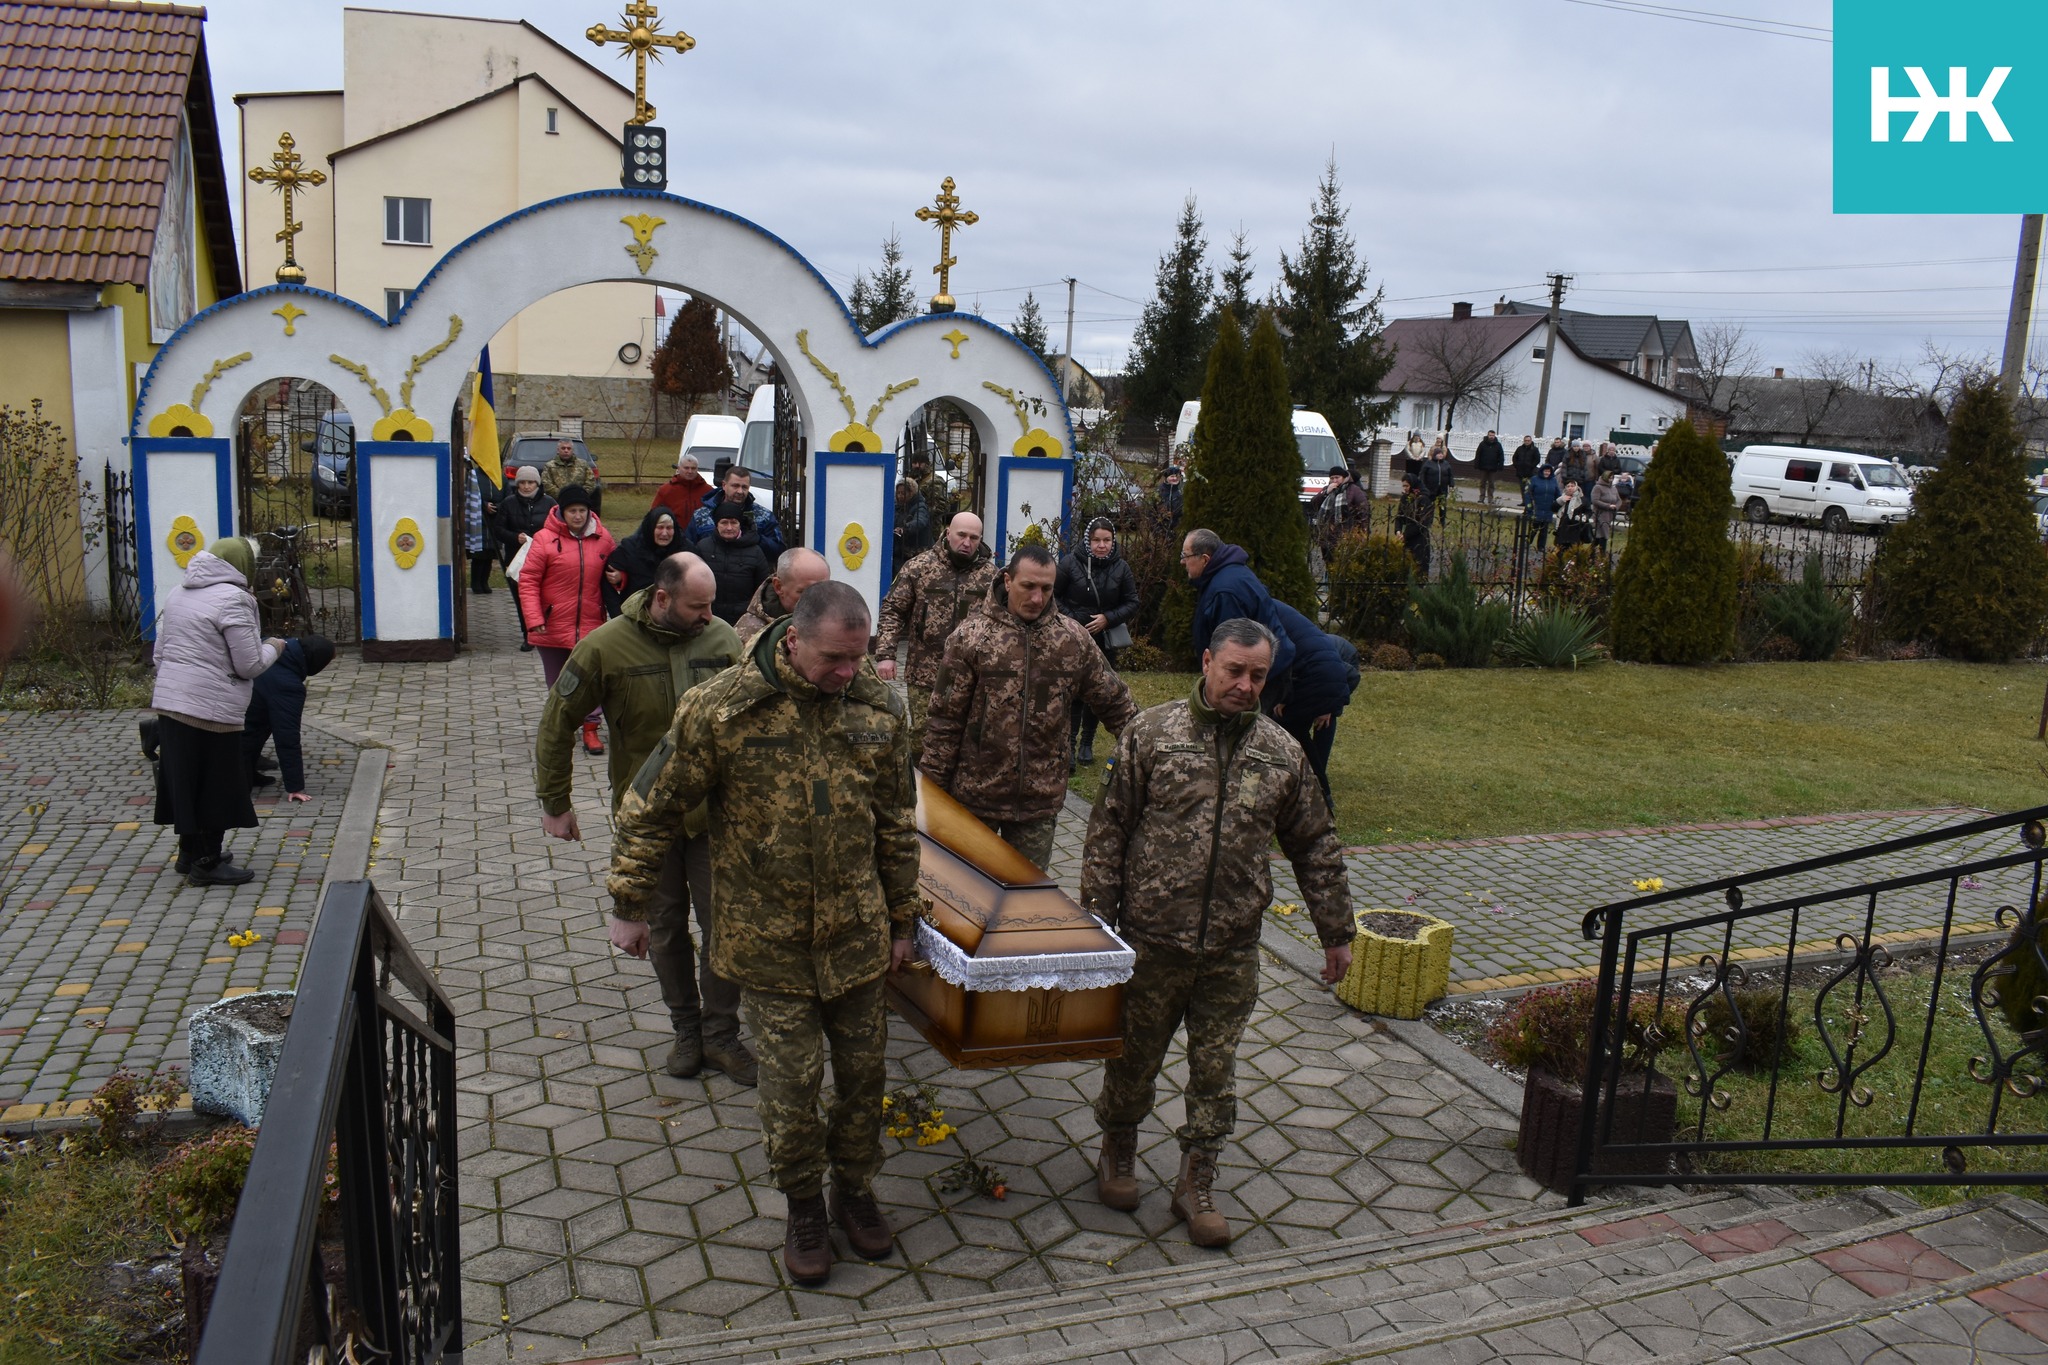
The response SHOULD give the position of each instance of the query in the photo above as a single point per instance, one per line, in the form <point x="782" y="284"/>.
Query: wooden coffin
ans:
<point x="1003" y="913"/>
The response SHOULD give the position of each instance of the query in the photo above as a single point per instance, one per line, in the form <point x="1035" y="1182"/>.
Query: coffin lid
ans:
<point x="988" y="898"/>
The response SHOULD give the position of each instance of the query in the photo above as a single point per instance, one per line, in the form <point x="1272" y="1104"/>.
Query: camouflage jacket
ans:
<point x="559" y="473"/>
<point x="1177" y="851"/>
<point x="926" y="602"/>
<point x="638" y="672"/>
<point x="1000" y="725"/>
<point x="764" y="611"/>
<point x="814" y="856"/>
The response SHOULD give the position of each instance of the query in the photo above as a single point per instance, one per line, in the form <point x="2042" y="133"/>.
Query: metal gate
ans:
<point x="295" y="471"/>
<point x="792" y="462"/>
<point x="124" y="578"/>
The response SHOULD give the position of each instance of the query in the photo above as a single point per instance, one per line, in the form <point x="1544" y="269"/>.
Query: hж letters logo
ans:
<point x="1907" y="73"/>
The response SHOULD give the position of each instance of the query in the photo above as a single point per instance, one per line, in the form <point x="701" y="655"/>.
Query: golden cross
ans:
<point x="945" y="211"/>
<point x="285" y="175"/>
<point x="640" y="30"/>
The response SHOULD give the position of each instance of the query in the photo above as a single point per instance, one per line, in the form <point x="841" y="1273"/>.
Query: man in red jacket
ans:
<point x="684" y="492"/>
<point x="561" y="587"/>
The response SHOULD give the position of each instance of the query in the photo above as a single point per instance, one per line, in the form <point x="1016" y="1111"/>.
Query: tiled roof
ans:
<point x="1424" y="345"/>
<point x="91" y="94"/>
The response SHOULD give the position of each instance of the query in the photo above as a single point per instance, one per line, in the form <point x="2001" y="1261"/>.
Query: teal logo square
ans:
<point x="1941" y="108"/>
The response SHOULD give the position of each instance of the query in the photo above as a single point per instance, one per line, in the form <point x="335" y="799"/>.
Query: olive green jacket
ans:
<point x="638" y="672"/>
<point x="814" y="854"/>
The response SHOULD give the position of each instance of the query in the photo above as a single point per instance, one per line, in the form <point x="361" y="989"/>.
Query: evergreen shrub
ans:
<point x="1675" y="587"/>
<point x="1448" y="619"/>
<point x="1555" y="637"/>
<point x="1808" y="615"/>
<point x="1369" y="577"/>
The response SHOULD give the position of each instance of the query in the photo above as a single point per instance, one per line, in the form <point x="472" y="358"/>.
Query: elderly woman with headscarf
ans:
<point x="1097" y="588"/>
<point x="631" y="566"/>
<point x="209" y="650"/>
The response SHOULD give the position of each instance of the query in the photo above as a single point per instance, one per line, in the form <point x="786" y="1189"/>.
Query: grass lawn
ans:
<point x="1465" y="753"/>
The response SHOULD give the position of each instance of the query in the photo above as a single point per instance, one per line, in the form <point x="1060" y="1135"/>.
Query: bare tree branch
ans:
<point x="1460" y="364"/>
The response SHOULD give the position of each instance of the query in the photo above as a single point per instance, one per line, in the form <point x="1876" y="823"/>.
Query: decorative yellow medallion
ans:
<point x="185" y="540"/>
<point x="958" y="338"/>
<point x="642" y="251"/>
<point x="291" y="314"/>
<point x="855" y="437"/>
<point x="402" y="425"/>
<point x="1037" y="441"/>
<point x="853" y="546"/>
<point x="180" y="420"/>
<point x="406" y="542"/>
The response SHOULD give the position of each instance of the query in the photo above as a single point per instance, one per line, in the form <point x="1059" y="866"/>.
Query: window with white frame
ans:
<point x="394" y="303"/>
<point x="553" y="114"/>
<point x="408" y="222"/>
<point x="1422" y="416"/>
<point x="1663" y="423"/>
<point x="1575" y="424"/>
<point x="1623" y="423"/>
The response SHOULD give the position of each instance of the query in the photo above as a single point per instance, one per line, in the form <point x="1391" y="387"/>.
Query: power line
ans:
<point x="1776" y="269"/>
<point x="1741" y="23"/>
<point x="1778" y="293"/>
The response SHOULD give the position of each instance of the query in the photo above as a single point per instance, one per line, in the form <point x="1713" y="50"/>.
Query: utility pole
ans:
<point x="1557" y="286"/>
<point x="1067" y="356"/>
<point x="2019" y="319"/>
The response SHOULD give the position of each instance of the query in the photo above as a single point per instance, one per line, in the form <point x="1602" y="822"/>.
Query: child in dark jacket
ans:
<point x="277" y="703"/>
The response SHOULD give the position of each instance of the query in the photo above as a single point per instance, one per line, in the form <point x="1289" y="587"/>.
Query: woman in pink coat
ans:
<point x="561" y="587"/>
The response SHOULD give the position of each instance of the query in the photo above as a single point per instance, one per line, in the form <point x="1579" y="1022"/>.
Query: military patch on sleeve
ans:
<point x="1183" y="747"/>
<point x="650" y="771"/>
<point x="568" y="680"/>
<point x="867" y="739"/>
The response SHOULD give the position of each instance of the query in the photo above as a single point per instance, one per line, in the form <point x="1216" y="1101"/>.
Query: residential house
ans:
<point x="113" y="228"/>
<point x="443" y="125"/>
<point x="1832" y="412"/>
<point x="1640" y="344"/>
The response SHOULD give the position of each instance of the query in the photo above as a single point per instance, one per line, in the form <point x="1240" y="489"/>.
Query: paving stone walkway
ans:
<point x="104" y="950"/>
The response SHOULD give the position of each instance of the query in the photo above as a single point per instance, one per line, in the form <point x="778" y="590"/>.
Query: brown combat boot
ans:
<point x="807" y="1241"/>
<point x="730" y="1055"/>
<point x="686" y="1058"/>
<point x="1116" y="1170"/>
<point x="1193" y="1203"/>
<point x="867" y="1232"/>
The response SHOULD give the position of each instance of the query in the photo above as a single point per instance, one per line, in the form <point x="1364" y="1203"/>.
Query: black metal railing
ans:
<point x="368" y="1069"/>
<point x="124" y="579"/>
<point x="1770" y="1008"/>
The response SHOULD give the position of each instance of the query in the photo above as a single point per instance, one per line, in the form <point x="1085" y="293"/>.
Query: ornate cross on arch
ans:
<point x="640" y="30"/>
<point x="945" y="211"/>
<point x="285" y="175"/>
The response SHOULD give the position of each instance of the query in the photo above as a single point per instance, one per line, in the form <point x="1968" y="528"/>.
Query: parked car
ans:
<point x="332" y="445"/>
<point x="757" y="446"/>
<point x="1837" y="488"/>
<point x="1313" y="434"/>
<point x="714" y="439"/>
<point x="2041" y="514"/>
<point x="537" y="448"/>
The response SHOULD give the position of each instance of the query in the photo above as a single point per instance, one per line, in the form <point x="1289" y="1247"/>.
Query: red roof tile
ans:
<point x="91" y="94"/>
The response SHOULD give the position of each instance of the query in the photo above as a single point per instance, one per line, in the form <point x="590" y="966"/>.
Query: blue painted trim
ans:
<point x="885" y="543"/>
<point x="366" y="578"/>
<point x="1006" y="463"/>
<point x="146" y="532"/>
<point x="929" y="319"/>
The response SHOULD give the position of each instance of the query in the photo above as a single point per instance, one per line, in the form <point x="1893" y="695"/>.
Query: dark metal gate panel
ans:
<point x="295" y="464"/>
<point x="792" y="466"/>
<point x="124" y="578"/>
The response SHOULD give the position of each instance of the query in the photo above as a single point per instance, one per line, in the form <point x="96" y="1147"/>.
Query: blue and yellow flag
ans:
<point x="483" y="424"/>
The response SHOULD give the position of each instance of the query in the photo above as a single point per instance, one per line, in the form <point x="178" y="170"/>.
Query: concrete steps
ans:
<point x="1704" y="1278"/>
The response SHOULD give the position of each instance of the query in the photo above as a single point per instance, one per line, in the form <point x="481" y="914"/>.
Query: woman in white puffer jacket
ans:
<point x="209" y="649"/>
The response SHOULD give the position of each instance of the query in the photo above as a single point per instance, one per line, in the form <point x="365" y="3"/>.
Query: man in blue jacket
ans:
<point x="1225" y="589"/>
<point x="277" y="703"/>
<point x="736" y="485"/>
<point x="1318" y="688"/>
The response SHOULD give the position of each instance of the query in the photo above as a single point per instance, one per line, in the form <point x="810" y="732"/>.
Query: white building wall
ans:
<point x="314" y="121"/>
<point x="1577" y="385"/>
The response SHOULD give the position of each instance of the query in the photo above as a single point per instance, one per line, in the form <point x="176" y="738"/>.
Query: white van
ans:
<point x="757" y="447"/>
<point x="1837" y="488"/>
<point x="1312" y="434"/>
<point x="712" y="437"/>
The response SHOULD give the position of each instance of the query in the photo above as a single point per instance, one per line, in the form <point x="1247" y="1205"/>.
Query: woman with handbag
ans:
<point x="1097" y="588"/>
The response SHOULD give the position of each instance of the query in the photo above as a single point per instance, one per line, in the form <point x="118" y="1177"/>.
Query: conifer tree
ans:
<point x="1966" y="570"/>
<point x="1234" y="285"/>
<point x="1029" y="328"/>
<point x="1335" y="355"/>
<point x="691" y="363"/>
<point x="1173" y="334"/>
<point x="1675" y="588"/>
<point x="885" y="296"/>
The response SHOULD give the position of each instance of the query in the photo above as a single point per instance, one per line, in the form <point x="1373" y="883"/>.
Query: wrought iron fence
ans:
<point x="368" y="1067"/>
<point x="124" y="580"/>
<point x="1711" y="995"/>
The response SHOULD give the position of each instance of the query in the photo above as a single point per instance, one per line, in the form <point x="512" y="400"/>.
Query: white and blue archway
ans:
<point x="404" y="377"/>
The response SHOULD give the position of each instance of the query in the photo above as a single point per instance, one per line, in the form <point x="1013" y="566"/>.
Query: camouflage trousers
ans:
<point x="791" y="1036"/>
<point x="1032" y="838"/>
<point x="1213" y="994"/>
<point x="920" y="699"/>
<point x="699" y="1000"/>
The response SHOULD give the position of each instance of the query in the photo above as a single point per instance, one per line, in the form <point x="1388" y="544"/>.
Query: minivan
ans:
<point x="1837" y="488"/>
<point x="713" y="438"/>
<point x="1313" y="434"/>
<point x="757" y="447"/>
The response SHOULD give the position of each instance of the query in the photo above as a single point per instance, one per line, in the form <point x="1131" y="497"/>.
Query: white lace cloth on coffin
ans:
<point x="1040" y="971"/>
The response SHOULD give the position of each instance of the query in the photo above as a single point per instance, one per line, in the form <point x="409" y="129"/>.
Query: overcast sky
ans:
<point x="1673" y="167"/>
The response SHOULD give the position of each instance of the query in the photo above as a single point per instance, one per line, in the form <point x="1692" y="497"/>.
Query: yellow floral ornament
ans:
<point x="856" y="438"/>
<point x="1037" y="441"/>
<point x="402" y="425"/>
<point x="853" y="545"/>
<point x="406" y="542"/>
<point x="185" y="540"/>
<point x="180" y="420"/>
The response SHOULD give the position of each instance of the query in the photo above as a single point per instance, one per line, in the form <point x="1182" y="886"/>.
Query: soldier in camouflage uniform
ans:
<point x="1002" y="710"/>
<point x="1177" y="860"/>
<point x="566" y="469"/>
<point x="638" y="664"/>
<point x="932" y="595"/>
<point x="804" y="757"/>
<point x="795" y="570"/>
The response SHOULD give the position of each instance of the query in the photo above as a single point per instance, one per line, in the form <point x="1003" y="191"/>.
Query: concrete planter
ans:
<point x="1547" y="1143"/>
<point x="235" y="1046"/>
<point x="1400" y="961"/>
